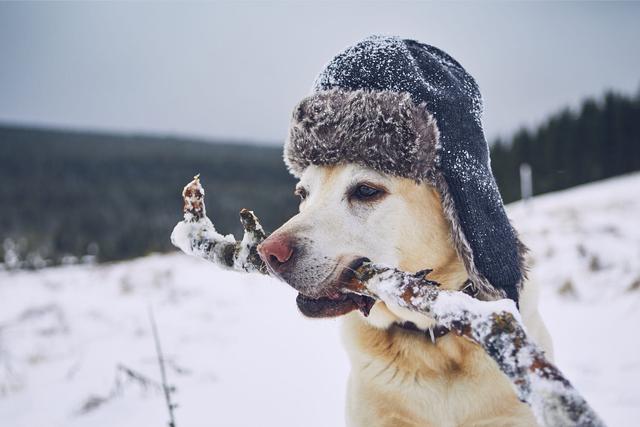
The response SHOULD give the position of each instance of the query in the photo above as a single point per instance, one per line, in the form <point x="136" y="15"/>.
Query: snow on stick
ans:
<point x="197" y="236"/>
<point x="494" y="325"/>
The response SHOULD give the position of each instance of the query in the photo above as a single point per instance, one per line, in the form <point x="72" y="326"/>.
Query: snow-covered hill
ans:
<point x="71" y="338"/>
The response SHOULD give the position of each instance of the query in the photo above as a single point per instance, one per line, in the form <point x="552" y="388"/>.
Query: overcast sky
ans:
<point x="235" y="70"/>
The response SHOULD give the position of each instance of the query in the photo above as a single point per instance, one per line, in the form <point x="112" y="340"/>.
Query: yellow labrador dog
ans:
<point x="399" y="376"/>
<point x="393" y="167"/>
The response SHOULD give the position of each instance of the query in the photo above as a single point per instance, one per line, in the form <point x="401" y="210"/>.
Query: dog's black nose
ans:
<point x="276" y="251"/>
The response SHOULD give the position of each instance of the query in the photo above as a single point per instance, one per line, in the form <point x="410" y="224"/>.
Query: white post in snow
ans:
<point x="526" y="182"/>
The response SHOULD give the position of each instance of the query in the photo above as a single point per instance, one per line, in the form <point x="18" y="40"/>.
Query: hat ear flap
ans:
<point x="485" y="240"/>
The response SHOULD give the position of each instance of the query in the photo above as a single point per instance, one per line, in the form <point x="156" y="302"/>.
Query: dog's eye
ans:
<point x="366" y="192"/>
<point x="301" y="192"/>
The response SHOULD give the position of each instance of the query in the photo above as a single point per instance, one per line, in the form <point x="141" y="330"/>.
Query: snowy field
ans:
<point x="76" y="347"/>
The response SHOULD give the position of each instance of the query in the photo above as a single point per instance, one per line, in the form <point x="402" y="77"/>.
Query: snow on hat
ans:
<point x="408" y="109"/>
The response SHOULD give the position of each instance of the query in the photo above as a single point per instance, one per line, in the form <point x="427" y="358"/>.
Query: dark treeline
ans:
<point x="599" y="140"/>
<point x="66" y="195"/>
<point x="117" y="197"/>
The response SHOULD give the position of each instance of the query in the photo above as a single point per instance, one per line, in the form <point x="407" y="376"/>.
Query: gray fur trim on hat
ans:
<point x="486" y="290"/>
<point x="382" y="130"/>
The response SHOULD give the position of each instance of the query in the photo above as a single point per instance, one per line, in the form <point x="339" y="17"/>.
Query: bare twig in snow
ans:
<point x="494" y="325"/>
<point x="168" y="390"/>
<point x="123" y="373"/>
<point x="138" y="377"/>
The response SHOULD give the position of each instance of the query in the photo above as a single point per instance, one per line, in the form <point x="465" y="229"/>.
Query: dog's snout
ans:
<point x="276" y="251"/>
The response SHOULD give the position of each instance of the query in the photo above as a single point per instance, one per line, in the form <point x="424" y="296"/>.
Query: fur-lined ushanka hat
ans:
<point x="408" y="109"/>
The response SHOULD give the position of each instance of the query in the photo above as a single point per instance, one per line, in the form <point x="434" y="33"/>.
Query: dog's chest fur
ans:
<point x="400" y="379"/>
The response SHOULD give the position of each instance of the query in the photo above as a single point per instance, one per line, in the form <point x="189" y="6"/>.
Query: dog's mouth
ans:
<point x="338" y="302"/>
<point x="333" y="307"/>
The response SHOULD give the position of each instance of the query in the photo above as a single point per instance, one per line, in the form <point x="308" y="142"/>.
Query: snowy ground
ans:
<point x="240" y="354"/>
<point x="585" y="244"/>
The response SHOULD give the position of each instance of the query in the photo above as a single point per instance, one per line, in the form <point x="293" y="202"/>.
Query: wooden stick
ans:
<point x="496" y="326"/>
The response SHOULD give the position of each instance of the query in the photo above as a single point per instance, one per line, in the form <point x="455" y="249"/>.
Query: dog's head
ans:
<point x="349" y="213"/>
